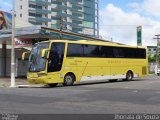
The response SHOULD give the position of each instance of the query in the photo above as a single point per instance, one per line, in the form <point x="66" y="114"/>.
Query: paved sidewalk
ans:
<point x="5" y="82"/>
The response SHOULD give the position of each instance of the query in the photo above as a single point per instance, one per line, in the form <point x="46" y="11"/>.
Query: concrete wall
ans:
<point x="21" y="66"/>
<point x="152" y="67"/>
<point x="23" y="11"/>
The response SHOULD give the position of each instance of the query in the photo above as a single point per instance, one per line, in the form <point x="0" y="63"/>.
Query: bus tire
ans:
<point x="53" y="85"/>
<point x="69" y="79"/>
<point x="129" y="76"/>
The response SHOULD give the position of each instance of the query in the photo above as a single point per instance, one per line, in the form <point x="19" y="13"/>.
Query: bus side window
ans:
<point x="91" y="51"/>
<point x="118" y="52"/>
<point x="106" y="52"/>
<point x="75" y="50"/>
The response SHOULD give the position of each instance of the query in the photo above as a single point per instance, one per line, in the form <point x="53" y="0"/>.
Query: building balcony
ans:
<point x="42" y="11"/>
<point x="39" y="19"/>
<point x="62" y="7"/>
<point x="40" y="2"/>
<point x="73" y="24"/>
<point x="89" y="4"/>
<point x="70" y="16"/>
<point x="75" y="2"/>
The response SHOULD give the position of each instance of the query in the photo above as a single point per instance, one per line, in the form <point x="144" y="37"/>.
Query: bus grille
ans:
<point x="144" y="70"/>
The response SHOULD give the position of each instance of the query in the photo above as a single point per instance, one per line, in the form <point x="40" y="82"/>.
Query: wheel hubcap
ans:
<point x="68" y="80"/>
<point x="129" y="76"/>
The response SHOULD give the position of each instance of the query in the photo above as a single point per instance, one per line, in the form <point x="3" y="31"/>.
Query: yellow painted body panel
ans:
<point x="91" y="66"/>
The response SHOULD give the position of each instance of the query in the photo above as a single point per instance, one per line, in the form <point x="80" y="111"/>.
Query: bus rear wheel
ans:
<point x="69" y="80"/>
<point x="129" y="76"/>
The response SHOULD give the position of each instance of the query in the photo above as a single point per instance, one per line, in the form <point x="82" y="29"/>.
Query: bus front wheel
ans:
<point x="69" y="80"/>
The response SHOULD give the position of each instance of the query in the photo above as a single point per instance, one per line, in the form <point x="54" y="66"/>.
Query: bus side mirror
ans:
<point x="24" y="54"/>
<point x="44" y="53"/>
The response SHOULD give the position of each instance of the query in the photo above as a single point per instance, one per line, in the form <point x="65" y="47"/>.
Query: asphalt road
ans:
<point x="137" y="96"/>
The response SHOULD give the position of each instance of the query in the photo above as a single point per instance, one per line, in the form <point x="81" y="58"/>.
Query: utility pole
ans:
<point x="98" y="18"/>
<point x="60" y="26"/>
<point x="157" y="51"/>
<point x="12" y="50"/>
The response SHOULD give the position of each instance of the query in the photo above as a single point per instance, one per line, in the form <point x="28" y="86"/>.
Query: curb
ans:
<point x="30" y="86"/>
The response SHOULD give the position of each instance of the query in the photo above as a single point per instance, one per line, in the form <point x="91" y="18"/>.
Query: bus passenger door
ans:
<point x="55" y="62"/>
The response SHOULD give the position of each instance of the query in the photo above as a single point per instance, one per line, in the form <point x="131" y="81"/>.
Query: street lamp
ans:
<point x="12" y="49"/>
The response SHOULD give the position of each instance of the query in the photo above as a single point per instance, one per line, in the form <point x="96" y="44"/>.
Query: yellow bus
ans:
<point x="63" y="61"/>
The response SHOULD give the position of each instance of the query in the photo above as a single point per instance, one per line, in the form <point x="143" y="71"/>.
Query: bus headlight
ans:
<point x="41" y="74"/>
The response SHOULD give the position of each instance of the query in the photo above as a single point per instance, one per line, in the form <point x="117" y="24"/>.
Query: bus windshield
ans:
<point x="36" y="62"/>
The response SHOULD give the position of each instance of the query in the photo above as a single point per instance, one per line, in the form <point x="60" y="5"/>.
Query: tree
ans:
<point x="152" y="58"/>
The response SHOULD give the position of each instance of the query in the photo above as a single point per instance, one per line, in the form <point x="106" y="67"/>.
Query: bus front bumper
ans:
<point x="43" y="78"/>
<point x="35" y="79"/>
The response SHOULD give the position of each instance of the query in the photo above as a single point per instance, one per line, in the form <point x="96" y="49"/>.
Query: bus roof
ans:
<point x="95" y="43"/>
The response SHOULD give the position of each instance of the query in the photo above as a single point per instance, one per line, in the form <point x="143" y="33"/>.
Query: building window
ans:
<point x="76" y="14"/>
<point x="21" y="7"/>
<point x="20" y="15"/>
<point x="35" y="14"/>
<point x="76" y="22"/>
<point x="35" y="6"/>
<point x="154" y="49"/>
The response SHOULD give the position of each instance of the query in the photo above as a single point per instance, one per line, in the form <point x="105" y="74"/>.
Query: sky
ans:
<point x="6" y="5"/>
<point x="120" y="18"/>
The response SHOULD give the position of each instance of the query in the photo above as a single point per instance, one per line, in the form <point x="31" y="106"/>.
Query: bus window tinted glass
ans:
<point x="75" y="50"/>
<point x="118" y="52"/>
<point x="106" y="52"/>
<point x="130" y="52"/>
<point x="91" y="51"/>
<point x="141" y="53"/>
<point x="97" y="51"/>
<point x="56" y="57"/>
<point x="135" y="53"/>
